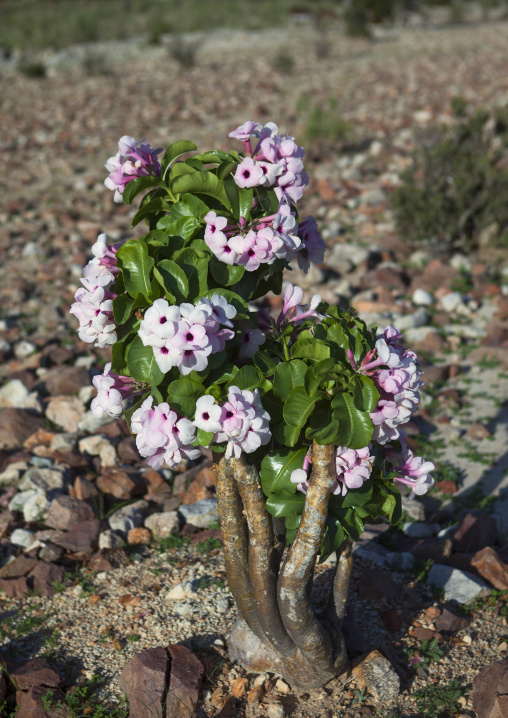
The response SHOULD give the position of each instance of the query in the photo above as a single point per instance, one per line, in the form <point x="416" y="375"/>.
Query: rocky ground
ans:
<point x="103" y="559"/>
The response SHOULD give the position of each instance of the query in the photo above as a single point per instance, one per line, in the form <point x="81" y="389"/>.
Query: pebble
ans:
<point x="182" y="591"/>
<point x="450" y="302"/>
<point x="459" y="586"/>
<point x="42" y="478"/>
<point x="128" y="517"/>
<point x="422" y="298"/>
<point x="99" y="445"/>
<point x="24" y="349"/>
<point x="200" y="514"/>
<point x="162" y="525"/>
<point x="420" y="530"/>
<point x="410" y="321"/>
<point x="21" y="537"/>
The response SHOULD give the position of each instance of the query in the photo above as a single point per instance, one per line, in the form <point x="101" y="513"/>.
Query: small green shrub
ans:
<point x="439" y="700"/>
<point x="183" y="51"/>
<point x="455" y="193"/>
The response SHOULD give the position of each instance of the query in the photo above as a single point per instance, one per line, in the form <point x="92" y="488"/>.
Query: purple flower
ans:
<point x="112" y="389"/>
<point x="250" y="340"/>
<point x="312" y="242"/>
<point x="249" y="173"/>
<point x="387" y="417"/>
<point x="245" y="425"/>
<point x="214" y="224"/>
<point x="162" y="436"/>
<point x="292" y="311"/>
<point x="134" y="159"/>
<point x="414" y="471"/>
<point x="222" y="311"/>
<point x="352" y="467"/>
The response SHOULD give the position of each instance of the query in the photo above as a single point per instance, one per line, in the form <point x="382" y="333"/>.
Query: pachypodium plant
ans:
<point x="303" y="409"/>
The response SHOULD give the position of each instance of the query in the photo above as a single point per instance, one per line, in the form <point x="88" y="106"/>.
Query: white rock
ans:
<point x="200" y="514"/>
<point x="222" y="605"/>
<point x="420" y="258"/>
<point x="128" y="517"/>
<point x="414" y="509"/>
<point x="162" y="525"/>
<point x="66" y="412"/>
<point x="5" y="346"/>
<point x="182" y="591"/>
<point x="110" y="539"/>
<point x="422" y="298"/>
<point x="374" y="197"/>
<point x="20" y="537"/>
<point x="451" y="301"/>
<point x="410" y="321"/>
<point x="376" y="148"/>
<point x="44" y="479"/>
<point x="417" y="335"/>
<point x="461" y="263"/>
<point x="86" y="393"/>
<point x="89" y="423"/>
<point x="9" y="476"/>
<point x="63" y="442"/>
<point x="458" y="585"/>
<point x="183" y="609"/>
<point x="99" y="445"/>
<point x="36" y="508"/>
<point x="13" y="394"/>
<point x="24" y="349"/>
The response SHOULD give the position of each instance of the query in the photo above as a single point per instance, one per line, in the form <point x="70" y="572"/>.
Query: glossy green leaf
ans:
<point x="173" y="279"/>
<point x="213" y="157"/>
<point x="298" y="407"/>
<point x="157" y="238"/>
<point x="248" y="377"/>
<point x="277" y="467"/>
<point x="177" y="149"/>
<point x="122" y="305"/>
<point x="355" y="426"/>
<point x="322" y="427"/>
<point x="245" y="201"/>
<point x="285" y="504"/>
<point x="138" y="185"/>
<point x="365" y="393"/>
<point x="142" y="364"/>
<point x="184" y="227"/>
<point x="332" y="540"/>
<point x="182" y="396"/>
<point x="288" y="375"/>
<point x="204" y="437"/>
<point x="310" y="349"/>
<point x="202" y="183"/>
<point x="158" y="204"/>
<point x="136" y="264"/>
<point x="264" y="362"/>
<point x="189" y="206"/>
<point x="292" y="522"/>
<point x="224" y="274"/>
<point x="358" y="497"/>
<point x="225" y="169"/>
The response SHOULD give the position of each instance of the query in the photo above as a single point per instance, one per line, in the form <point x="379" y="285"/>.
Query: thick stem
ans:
<point x="235" y="540"/>
<point x="336" y="608"/>
<point x="263" y="557"/>
<point x="294" y="580"/>
<point x="279" y="532"/>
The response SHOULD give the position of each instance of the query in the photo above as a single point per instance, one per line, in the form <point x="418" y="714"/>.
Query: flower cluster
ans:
<point x="352" y="468"/>
<point x="292" y="311"/>
<point x="241" y="421"/>
<point x="185" y="336"/>
<point x="413" y="471"/>
<point x="162" y="436"/>
<point x="112" y="389"/>
<point x="276" y="161"/>
<point x="134" y="159"/>
<point x="94" y="301"/>
<point x="398" y="384"/>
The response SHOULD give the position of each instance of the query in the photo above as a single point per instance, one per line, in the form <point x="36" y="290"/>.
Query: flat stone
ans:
<point x="182" y="591"/>
<point x="422" y="298"/>
<point x="20" y="537"/>
<point x="31" y="703"/>
<point x="66" y="412"/>
<point x="100" y="446"/>
<point x="184" y="682"/>
<point x="477" y="432"/>
<point x="200" y="514"/>
<point x="417" y="529"/>
<point x="66" y="380"/>
<point x="36" y="672"/>
<point x="138" y="536"/>
<point x="15" y="394"/>
<point x="128" y="517"/>
<point x="83" y="538"/>
<point x="448" y="622"/>
<point x="490" y="691"/>
<point x="451" y="302"/>
<point x="20" y="566"/>
<point x="14" y="587"/>
<point x="376" y="585"/>
<point x="477" y="529"/>
<point x="162" y="525"/>
<point x="121" y="484"/>
<point x="111" y="539"/>
<point x="66" y="511"/>
<point x="16" y="425"/>
<point x="144" y="680"/>
<point x="459" y="586"/>
<point x="432" y="548"/>
<point x="375" y="674"/>
<point x="491" y="568"/>
<point x="45" y="576"/>
<point x="42" y="478"/>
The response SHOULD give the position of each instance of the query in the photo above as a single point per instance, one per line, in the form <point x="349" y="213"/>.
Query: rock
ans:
<point x="32" y="503"/>
<point x="375" y="674"/>
<point x="448" y="622"/>
<point x="16" y="425"/>
<point x="20" y="537"/>
<point x="200" y="514"/>
<point x="98" y="445"/>
<point x="433" y="548"/>
<point x="162" y="525"/>
<point x="203" y="487"/>
<point x="477" y="529"/>
<point x="451" y="302"/>
<point x="139" y="535"/>
<point x="490" y="691"/>
<point x="374" y="197"/>
<point x="477" y="432"/>
<point x="31" y="703"/>
<point x="66" y="412"/>
<point x="83" y="538"/>
<point x="122" y="484"/>
<point x="42" y="478"/>
<point x="36" y="672"/>
<point x="206" y="534"/>
<point x="436" y="274"/>
<point x="410" y="321"/>
<point x="50" y="553"/>
<point x="107" y="559"/>
<point x="20" y="566"/>
<point x="90" y="423"/>
<point x="414" y="509"/>
<point x="111" y="539"/>
<point x="417" y="529"/>
<point x="144" y="682"/>
<point x="14" y="587"/>
<point x="387" y="276"/>
<point x="66" y="380"/>
<point x="378" y="585"/>
<point x="422" y="298"/>
<point x="275" y="710"/>
<point x="45" y="576"/>
<point x="66" y="511"/>
<point x="240" y="687"/>
<point x="182" y="591"/>
<point x="128" y="517"/>
<point x="490" y="567"/>
<point x="391" y="618"/>
<point x="63" y="442"/>
<point x="184" y="682"/>
<point x="15" y="394"/>
<point x="458" y="585"/>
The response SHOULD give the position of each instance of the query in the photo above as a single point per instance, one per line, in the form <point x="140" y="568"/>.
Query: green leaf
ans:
<point x="290" y="434"/>
<point x="365" y="393"/>
<point x="322" y="427"/>
<point x="118" y="362"/>
<point x="277" y="467"/>
<point x="202" y="183"/>
<point x="225" y="169"/>
<point x="358" y="497"/>
<point x="213" y="157"/>
<point x="177" y="149"/>
<point x="157" y="238"/>
<point x="285" y="504"/>
<point x="122" y="305"/>
<point x="245" y="201"/>
<point x="138" y="185"/>
<point x="298" y="407"/>
<point x="225" y="274"/>
<point x="184" y="227"/>
<point x="204" y="437"/>
<point x="173" y="279"/>
<point x="292" y="522"/>
<point x="392" y="507"/>
<point x="288" y="375"/>
<point x="189" y="206"/>
<point x="183" y="395"/>
<point x="248" y="377"/>
<point x="355" y="426"/>
<point x="333" y="538"/>
<point x="310" y="349"/>
<point x="195" y="268"/>
<point x="135" y="263"/>
<point x="159" y="204"/>
<point x="179" y="169"/>
<point x="264" y="362"/>
<point x="142" y="364"/>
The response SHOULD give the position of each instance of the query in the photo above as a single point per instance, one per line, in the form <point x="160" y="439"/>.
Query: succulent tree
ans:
<point x="302" y="407"/>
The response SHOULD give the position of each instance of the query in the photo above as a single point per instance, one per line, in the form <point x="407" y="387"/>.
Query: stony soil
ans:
<point x="57" y="132"/>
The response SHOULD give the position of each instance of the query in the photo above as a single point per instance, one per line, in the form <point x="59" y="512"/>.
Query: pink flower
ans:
<point x="249" y="173"/>
<point x="134" y="159"/>
<point x="312" y="243"/>
<point x="292" y="311"/>
<point x="415" y="472"/>
<point x="353" y="467"/>
<point x="112" y="389"/>
<point x="244" y="423"/>
<point x="94" y="306"/>
<point x="214" y="224"/>
<point x="250" y="341"/>
<point x="209" y="415"/>
<point x="222" y="311"/>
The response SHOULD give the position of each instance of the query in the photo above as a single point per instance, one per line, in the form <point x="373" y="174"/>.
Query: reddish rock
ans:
<point x="31" y="705"/>
<point x="489" y="566"/>
<point x="502" y="307"/>
<point x="107" y="559"/>
<point x="16" y="425"/>
<point x="476" y="530"/>
<point x="127" y="451"/>
<point x="490" y="691"/>
<point x="203" y="487"/>
<point x="375" y="584"/>
<point x="447" y="487"/>
<point x="207" y="534"/>
<point x="155" y="484"/>
<point x="424" y="634"/>
<point x="435" y="373"/>
<point x="83" y="537"/>
<point x="477" y="432"/>
<point x="392" y="619"/>
<point x="184" y="682"/>
<point x="121" y="484"/>
<point x="36" y="672"/>
<point x="432" y="343"/>
<point x="144" y="680"/>
<point x="436" y="275"/>
<point x="432" y="548"/>
<point x="45" y="575"/>
<point x="66" y="380"/>
<point x="375" y="674"/>
<point x="66" y="511"/>
<point x="139" y="535"/>
<point x="497" y="335"/>
<point x="448" y="622"/>
<point x="21" y="565"/>
<point x="384" y="277"/>
<point x="14" y="587"/>
<point x="326" y="190"/>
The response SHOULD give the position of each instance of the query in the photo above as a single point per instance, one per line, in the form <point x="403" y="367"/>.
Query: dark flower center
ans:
<point x="162" y="320"/>
<point x="206" y="416"/>
<point x="164" y="350"/>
